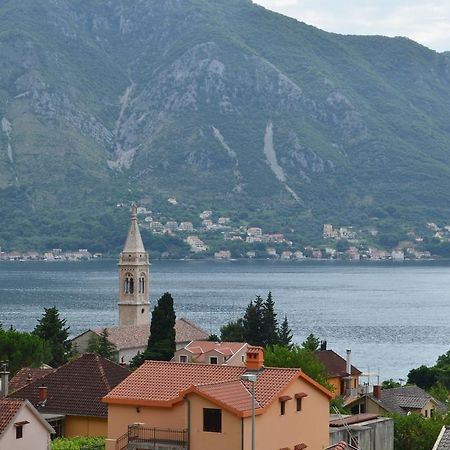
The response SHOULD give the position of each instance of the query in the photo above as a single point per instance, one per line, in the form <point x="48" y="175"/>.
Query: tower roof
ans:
<point x="134" y="242"/>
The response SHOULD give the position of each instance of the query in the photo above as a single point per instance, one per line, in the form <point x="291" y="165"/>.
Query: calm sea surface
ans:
<point x="394" y="317"/>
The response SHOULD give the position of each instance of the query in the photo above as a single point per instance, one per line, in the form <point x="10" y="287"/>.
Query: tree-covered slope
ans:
<point x="220" y="103"/>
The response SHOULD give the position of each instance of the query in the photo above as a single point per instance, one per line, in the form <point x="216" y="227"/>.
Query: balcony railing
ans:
<point x="140" y="437"/>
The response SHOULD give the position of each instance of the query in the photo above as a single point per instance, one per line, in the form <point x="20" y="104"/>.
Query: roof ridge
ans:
<point x="102" y="371"/>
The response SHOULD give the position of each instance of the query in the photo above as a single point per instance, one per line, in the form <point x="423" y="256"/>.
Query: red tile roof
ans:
<point x="221" y="383"/>
<point x="77" y="387"/>
<point x="8" y="410"/>
<point x="225" y="348"/>
<point x="335" y="365"/>
<point x="26" y="376"/>
<point x="233" y="395"/>
<point x="136" y="336"/>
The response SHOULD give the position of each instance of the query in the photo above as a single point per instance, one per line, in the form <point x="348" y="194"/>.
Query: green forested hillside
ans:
<point x="223" y="105"/>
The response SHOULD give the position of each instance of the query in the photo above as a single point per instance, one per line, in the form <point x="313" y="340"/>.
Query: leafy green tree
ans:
<point x="389" y="384"/>
<point x="285" y="334"/>
<point x="269" y="323"/>
<point x="102" y="346"/>
<point x="424" y="377"/>
<point x="23" y="350"/>
<point x="443" y="361"/>
<point x="53" y="329"/>
<point x="440" y="392"/>
<point x="75" y="443"/>
<point x="415" y="431"/>
<point x="297" y="357"/>
<point x="232" y="331"/>
<point x="311" y="343"/>
<point x="161" y="343"/>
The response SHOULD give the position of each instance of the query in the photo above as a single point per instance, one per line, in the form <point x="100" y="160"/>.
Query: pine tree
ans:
<point x="252" y="324"/>
<point x="285" y="334"/>
<point x="102" y="346"/>
<point x="269" y="324"/>
<point x="161" y="343"/>
<point x="311" y="343"/>
<point x="53" y="330"/>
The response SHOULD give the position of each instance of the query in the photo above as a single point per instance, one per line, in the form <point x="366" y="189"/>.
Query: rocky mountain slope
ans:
<point x="220" y="103"/>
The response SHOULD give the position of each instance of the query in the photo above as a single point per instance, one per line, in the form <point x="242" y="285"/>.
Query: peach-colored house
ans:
<point x="209" y="407"/>
<point x="22" y="427"/>
<point x="208" y="352"/>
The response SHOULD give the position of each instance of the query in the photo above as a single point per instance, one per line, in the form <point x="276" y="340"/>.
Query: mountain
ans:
<point x="219" y="103"/>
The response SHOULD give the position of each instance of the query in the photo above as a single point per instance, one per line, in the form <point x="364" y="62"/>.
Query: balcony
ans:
<point x="139" y="437"/>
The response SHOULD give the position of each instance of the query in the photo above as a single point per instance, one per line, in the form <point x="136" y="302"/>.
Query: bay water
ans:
<point x="394" y="317"/>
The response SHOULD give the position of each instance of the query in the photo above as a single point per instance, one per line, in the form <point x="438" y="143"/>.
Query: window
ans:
<point x="142" y="284"/>
<point x="183" y="359"/>
<point x="213" y="360"/>
<point x="283" y="399"/>
<point x="298" y="400"/>
<point x="19" y="431"/>
<point x="128" y="286"/>
<point x="212" y="420"/>
<point x="19" y="428"/>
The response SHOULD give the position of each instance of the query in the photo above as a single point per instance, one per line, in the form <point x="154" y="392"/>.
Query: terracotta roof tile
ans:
<point x="136" y="336"/>
<point x="77" y="387"/>
<point x="200" y="348"/>
<point x="233" y="394"/>
<point x="219" y="381"/>
<point x="335" y="365"/>
<point x="8" y="410"/>
<point x="26" y="376"/>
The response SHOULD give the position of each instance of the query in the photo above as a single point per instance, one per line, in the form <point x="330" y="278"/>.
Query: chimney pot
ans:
<point x="255" y="358"/>
<point x="43" y="393"/>
<point x="377" y="391"/>
<point x="4" y="374"/>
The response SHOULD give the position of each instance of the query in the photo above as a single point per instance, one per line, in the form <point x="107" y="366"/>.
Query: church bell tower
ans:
<point x="134" y="278"/>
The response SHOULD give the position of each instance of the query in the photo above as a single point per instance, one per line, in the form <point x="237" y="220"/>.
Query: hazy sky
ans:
<point x="424" y="21"/>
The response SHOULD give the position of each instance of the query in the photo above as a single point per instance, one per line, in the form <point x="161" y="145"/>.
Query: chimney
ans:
<point x="377" y="391"/>
<point x="4" y="376"/>
<point x="43" y="394"/>
<point x="323" y="345"/>
<point x="348" y="369"/>
<point x="255" y="358"/>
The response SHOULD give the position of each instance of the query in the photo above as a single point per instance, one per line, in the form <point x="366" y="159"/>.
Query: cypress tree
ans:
<point x="285" y="334"/>
<point x="161" y="343"/>
<point x="53" y="330"/>
<point x="269" y="324"/>
<point x="252" y="324"/>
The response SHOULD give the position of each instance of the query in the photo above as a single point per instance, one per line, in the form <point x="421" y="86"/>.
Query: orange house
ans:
<point x="206" y="406"/>
<point x="343" y="376"/>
